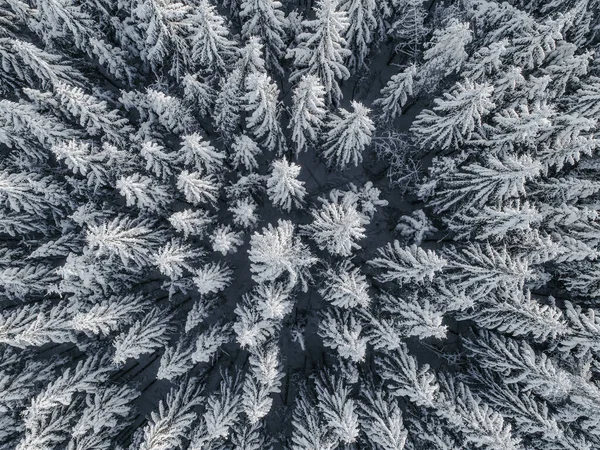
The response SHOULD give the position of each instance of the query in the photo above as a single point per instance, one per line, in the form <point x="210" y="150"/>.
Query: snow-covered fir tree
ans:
<point x="321" y="49"/>
<point x="348" y="135"/>
<point x="283" y="187"/>
<point x="308" y="112"/>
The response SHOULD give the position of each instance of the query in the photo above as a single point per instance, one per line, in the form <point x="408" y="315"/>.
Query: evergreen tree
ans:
<point x="337" y="225"/>
<point x="201" y="155"/>
<point x="308" y="112"/>
<point x="264" y="18"/>
<point x="409" y="26"/>
<point x="462" y="112"/>
<point x="145" y="336"/>
<point x="261" y="103"/>
<point x="245" y="151"/>
<point x="361" y="27"/>
<point x="446" y="53"/>
<point x="276" y="251"/>
<point x="395" y="94"/>
<point x="322" y="49"/>
<point x="407" y="264"/>
<point x="212" y="50"/>
<point x="283" y="187"/>
<point x="348" y="135"/>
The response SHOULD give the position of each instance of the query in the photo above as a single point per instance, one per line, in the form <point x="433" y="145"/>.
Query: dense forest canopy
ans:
<point x="339" y="224"/>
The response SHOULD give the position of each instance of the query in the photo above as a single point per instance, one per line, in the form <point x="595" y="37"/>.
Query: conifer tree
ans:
<point x="322" y="49"/>
<point x="360" y="31"/>
<point x="337" y="225"/>
<point x="407" y="264"/>
<point x="395" y="94"/>
<point x="264" y="18"/>
<point x="276" y="251"/>
<point x="283" y="187"/>
<point x="308" y="111"/>
<point x="145" y="336"/>
<point x="446" y="53"/>
<point x="261" y="103"/>
<point x="212" y="50"/>
<point x="200" y="154"/>
<point x="245" y="151"/>
<point x="409" y="26"/>
<point x="348" y="135"/>
<point x="461" y="113"/>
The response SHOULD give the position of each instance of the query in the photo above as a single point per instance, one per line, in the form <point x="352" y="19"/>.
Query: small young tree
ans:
<point x="27" y="62"/>
<point x="145" y="336"/>
<point x="165" y="31"/>
<point x="446" y="52"/>
<point x="201" y="309"/>
<point x="283" y="187"/>
<point x="342" y="332"/>
<point x="337" y="408"/>
<point x="228" y="105"/>
<point x="244" y="213"/>
<point x="251" y="329"/>
<point x="209" y="342"/>
<point x="92" y="113"/>
<point x="81" y="158"/>
<point x="224" y="240"/>
<point x="309" y="430"/>
<point x="198" y="189"/>
<point x="199" y="93"/>
<point x="416" y="227"/>
<point x="361" y="27"/>
<point x="409" y="26"/>
<point x="161" y="163"/>
<point x="494" y="183"/>
<point x="173" y="258"/>
<point x="381" y="419"/>
<point x="130" y="241"/>
<point x="221" y="414"/>
<point x="190" y="222"/>
<point x="480" y="269"/>
<point x="263" y="380"/>
<point x="272" y="300"/>
<point x="107" y="411"/>
<point x="143" y="192"/>
<point x="212" y="278"/>
<point x="109" y="315"/>
<point x="168" y="427"/>
<point x="404" y="377"/>
<point x="36" y="325"/>
<point x="348" y="135"/>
